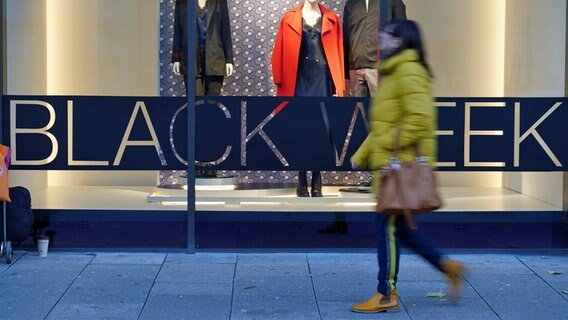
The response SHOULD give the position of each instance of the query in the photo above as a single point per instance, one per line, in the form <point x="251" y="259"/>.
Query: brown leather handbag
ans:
<point x="407" y="188"/>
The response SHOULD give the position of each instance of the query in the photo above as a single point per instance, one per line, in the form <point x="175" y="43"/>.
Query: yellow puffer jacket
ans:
<point x="405" y="99"/>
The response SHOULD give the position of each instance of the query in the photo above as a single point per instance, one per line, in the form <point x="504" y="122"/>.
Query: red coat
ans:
<point x="287" y="51"/>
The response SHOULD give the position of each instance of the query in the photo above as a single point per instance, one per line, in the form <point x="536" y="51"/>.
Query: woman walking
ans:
<point x="403" y="105"/>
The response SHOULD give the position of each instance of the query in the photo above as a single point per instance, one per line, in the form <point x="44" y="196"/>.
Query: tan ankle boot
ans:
<point x="454" y="270"/>
<point x="378" y="303"/>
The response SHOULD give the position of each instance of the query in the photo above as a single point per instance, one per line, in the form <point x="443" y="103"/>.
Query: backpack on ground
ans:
<point x="19" y="216"/>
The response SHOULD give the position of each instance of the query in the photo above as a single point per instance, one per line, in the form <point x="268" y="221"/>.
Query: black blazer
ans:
<point x="219" y="46"/>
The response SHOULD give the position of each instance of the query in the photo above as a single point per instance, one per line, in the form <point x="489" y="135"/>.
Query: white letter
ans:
<point x="445" y="132"/>
<point x="259" y="130"/>
<point x="43" y="131"/>
<point x="468" y="133"/>
<point x="532" y="130"/>
<point x="154" y="142"/>
<point x="359" y="108"/>
<point x="70" y="160"/>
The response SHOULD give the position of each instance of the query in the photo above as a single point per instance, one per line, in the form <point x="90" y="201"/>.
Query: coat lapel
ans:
<point x="211" y="4"/>
<point x="328" y="21"/>
<point x="295" y="22"/>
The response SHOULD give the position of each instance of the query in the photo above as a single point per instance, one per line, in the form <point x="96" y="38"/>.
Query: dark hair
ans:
<point x="409" y="32"/>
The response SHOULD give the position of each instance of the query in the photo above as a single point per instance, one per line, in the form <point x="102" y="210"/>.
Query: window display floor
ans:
<point x="268" y="199"/>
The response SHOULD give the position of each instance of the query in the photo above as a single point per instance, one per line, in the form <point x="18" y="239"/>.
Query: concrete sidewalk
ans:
<point x="271" y="286"/>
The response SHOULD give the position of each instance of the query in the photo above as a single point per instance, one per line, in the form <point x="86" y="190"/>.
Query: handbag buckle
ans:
<point x="394" y="163"/>
<point x="422" y="159"/>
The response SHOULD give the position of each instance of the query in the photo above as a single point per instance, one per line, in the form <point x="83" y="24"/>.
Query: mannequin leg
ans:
<point x="357" y="83"/>
<point x="372" y="80"/>
<point x="316" y="184"/>
<point x="199" y="86"/>
<point x="213" y="85"/>
<point x="200" y="91"/>
<point x="302" y="187"/>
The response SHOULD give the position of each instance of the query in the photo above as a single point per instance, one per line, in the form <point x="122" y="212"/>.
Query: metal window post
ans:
<point x="190" y="91"/>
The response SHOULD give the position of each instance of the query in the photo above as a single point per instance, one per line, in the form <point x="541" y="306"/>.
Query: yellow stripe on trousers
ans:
<point x="391" y="245"/>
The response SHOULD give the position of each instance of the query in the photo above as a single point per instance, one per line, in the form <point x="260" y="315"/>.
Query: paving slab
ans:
<point x="340" y="259"/>
<point x="114" y="272"/>
<point x="100" y="292"/>
<point x="419" y="272"/>
<point x="273" y="270"/>
<point x="282" y="259"/>
<point x="209" y="258"/>
<point x="16" y="255"/>
<point x="540" y="260"/>
<point x="343" y="269"/>
<point x="344" y="290"/>
<point x="186" y="307"/>
<point x="130" y="258"/>
<point x="273" y="287"/>
<point x="94" y="311"/>
<point x="29" y="301"/>
<point x="59" y="258"/>
<point x="197" y="273"/>
<point x="192" y="289"/>
<point x="521" y="297"/>
<point x="420" y="289"/>
<point x="46" y="275"/>
<point x="340" y="310"/>
<point x="274" y="308"/>
<point x="422" y="308"/>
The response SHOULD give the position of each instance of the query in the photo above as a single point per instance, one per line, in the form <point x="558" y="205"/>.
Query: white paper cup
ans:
<point x="42" y="246"/>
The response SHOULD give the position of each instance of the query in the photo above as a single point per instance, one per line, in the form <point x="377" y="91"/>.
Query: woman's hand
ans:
<point x="356" y="166"/>
<point x="176" y="68"/>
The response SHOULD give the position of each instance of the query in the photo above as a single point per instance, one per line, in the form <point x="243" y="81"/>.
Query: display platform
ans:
<point x="267" y="199"/>
<point x="272" y="217"/>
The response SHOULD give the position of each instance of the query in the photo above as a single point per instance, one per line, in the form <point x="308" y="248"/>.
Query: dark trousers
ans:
<point x="207" y="85"/>
<point x="390" y="231"/>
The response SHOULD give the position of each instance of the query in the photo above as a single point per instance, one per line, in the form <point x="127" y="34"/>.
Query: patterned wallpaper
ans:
<point x="254" y="24"/>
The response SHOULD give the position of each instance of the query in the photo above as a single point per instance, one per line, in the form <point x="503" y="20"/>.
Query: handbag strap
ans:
<point x="406" y="211"/>
<point x="408" y="216"/>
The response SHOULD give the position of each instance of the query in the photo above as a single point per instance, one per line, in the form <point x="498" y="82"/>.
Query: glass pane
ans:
<point x="491" y="48"/>
<point x="94" y="54"/>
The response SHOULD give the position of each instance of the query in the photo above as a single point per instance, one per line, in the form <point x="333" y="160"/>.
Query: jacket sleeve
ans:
<point x="360" y="157"/>
<point x="179" y="32"/>
<point x="277" y="55"/>
<point x="226" y="30"/>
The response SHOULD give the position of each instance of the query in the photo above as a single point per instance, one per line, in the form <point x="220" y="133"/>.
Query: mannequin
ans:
<point x="214" y="48"/>
<point x="307" y="60"/>
<point x="360" y="27"/>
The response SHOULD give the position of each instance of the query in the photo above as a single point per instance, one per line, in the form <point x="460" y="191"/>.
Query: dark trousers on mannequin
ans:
<point x="302" y="187"/>
<point x="206" y="85"/>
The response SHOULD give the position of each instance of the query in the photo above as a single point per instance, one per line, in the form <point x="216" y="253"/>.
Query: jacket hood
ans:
<point x="406" y="55"/>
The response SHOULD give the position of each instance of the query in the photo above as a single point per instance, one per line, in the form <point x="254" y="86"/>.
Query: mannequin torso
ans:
<point x="311" y="12"/>
<point x="176" y="66"/>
